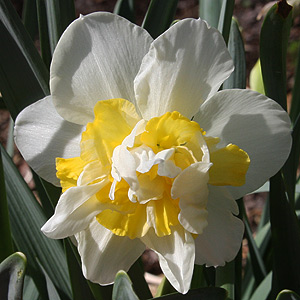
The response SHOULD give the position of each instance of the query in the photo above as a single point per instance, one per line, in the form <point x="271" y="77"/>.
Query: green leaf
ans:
<point x="255" y="80"/>
<point x="285" y="239"/>
<point x="12" y="272"/>
<point x="99" y="292"/>
<point x="198" y="279"/>
<point x="52" y="292"/>
<point x="123" y="287"/>
<point x="26" y="218"/>
<point x="30" y="291"/>
<point x="80" y="288"/>
<point x="10" y="138"/>
<point x="159" y="16"/>
<point x="209" y="293"/>
<point x="165" y="288"/>
<point x="29" y="17"/>
<point x="16" y="91"/>
<point x="136" y="273"/>
<point x="210" y="11"/>
<point x="263" y="289"/>
<point x="287" y="295"/>
<point x="273" y="48"/>
<point x="237" y="79"/>
<point x="59" y="15"/>
<point x="295" y="107"/>
<point x="225" y="18"/>
<point x="257" y="263"/>
<point x="43" y="32"/>
<point x="225" y="278"/>
<point x="6" y="247"/>
<point x="125" y="8"/>
<point x="292" y="163"/>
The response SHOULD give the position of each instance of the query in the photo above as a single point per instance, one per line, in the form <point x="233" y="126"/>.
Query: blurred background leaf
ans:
<point x="159" y="16"/>
<point x="125" y="8"/>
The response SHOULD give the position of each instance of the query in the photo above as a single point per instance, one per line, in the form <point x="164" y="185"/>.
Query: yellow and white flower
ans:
<point x="136" y="172"/>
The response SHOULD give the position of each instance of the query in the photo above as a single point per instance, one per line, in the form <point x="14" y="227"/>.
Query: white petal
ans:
<point x="41" y="135"/>
<point x="190" y="186"/>
<point x="74" y="211"/>
<point x="176" y="254"/>
<point x="222" y="238"/>
<point x="103" y="254"/>
<point x="184" y="66"/>
<point x="124" y="164"/>
<point x="97" y="58"/>
<point x="256" y="124"/>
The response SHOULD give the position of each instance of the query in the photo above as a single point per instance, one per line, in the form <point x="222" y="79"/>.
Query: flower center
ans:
<point x="150" y="168"/>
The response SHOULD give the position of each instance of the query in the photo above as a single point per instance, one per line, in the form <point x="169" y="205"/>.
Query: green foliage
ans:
<point x="210" y="11"/>
<point x="255" y="80"/>
<point x="125" y="8"/>
<point x="12" y="273"/>
<point x="159" y="16"/>
<point x="237" y="79"/>
<point x="123" y="287"/>
<point x="26" y="218"/>
<point x="6" y="247"/>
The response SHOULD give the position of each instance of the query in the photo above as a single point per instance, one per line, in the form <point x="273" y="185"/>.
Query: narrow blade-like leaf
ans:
<point x="159" y="16"/>
<point x="225" y="18"/>
<point x="43" y="32"/>
<point x="237" y="79"/>
<point x="6" y="242"/>
<point x="27" y="217"/>
<point x="19" y="60"/>
<point x="273" y="48"/>
<point x="125" y="8"/>
<point x="29" y="17"/>
<point x="285" y="239"/>
<point x="59" y="15"/>
<point x="210" y="11"/>
<point x="295" y="107"/>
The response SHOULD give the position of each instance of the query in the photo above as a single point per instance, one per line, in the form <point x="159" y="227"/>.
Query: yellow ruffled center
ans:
<point x="141" y="161"/>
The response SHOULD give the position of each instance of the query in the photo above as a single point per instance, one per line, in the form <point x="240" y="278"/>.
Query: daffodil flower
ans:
<point x="147" y="151"/>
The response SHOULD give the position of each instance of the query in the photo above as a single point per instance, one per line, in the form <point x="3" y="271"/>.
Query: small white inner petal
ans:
<point x="127" y="161"/>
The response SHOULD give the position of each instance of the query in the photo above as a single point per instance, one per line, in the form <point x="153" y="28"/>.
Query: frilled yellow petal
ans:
<point x="133" y="224"/>
<point x="134" y="219"/>
<point x="169" y="130"/>
<point x="68" y="171"/>
<point x="166" y="212"/>
<point x="230" y="165"/>
<point x="114" y="120"/>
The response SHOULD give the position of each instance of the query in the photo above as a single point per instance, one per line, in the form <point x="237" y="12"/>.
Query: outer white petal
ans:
<point x="41" y="135"/>
<point x="184" y="66"/>
<point x="190" y="186"/>
<point x="176" y="254"/>
<point x="103" y="254"/>
<point x="97" y="58"/>
<point x="74" y="211"/>
<point x="222" y="238"/>
<point x="256" y="124"/>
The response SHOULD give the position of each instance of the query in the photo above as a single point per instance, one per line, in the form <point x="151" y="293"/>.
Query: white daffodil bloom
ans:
<point x="136" y="172"/>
